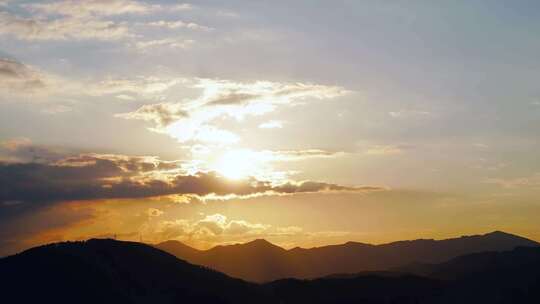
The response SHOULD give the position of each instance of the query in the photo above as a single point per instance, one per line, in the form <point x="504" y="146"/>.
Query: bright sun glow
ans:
<point x="237" y="164"/>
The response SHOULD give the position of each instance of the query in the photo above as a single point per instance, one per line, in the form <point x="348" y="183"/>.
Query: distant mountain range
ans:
<point x="261" y="261"/>
<point x="109" y="271"/>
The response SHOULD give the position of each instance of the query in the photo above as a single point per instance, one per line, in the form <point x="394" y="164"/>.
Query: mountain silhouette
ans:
<point x="110" y="271"/>
<point x="261" y="261"/>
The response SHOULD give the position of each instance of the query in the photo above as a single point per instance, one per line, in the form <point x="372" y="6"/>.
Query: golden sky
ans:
<point x="304" y="123"/>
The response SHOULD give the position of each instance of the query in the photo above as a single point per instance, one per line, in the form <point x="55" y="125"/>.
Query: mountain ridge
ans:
<point x="493" y="233"/>
<point x="262" y="261"/>
<point x="110" y="271"/>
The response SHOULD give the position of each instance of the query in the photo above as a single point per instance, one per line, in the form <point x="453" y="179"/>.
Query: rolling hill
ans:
<point x="109" y="271"/>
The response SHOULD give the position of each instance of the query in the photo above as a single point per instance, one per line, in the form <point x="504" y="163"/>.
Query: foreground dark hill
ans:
<point x="491" y="277"/>
<point x="108" y="271"/>
<point x="261" y="261"/>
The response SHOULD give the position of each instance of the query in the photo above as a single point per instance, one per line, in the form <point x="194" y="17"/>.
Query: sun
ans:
<point x="236" y="164"/>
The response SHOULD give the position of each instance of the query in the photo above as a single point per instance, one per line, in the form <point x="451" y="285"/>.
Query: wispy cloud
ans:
<point x="386" y="149"/>
<point x="178" y="24"/>
<point x="222" y="98"/>
<point x="61" y="28"/>
<point x="79" y="20"/>
<point x="511" y="183"/>
<point x="93" y="7"/>
<point x="171" y="43"/>
<point x="19" y="79"/>
<point x="16" y="77"/>
<point x="161" y="114"/>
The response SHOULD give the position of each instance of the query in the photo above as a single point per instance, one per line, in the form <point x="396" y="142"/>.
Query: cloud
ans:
<point x="80" y="20"/>
<point x="145" y="86"/>
<point x="386" y="149"/>
<point x="178" y="24"/>
<point x="153" y="212"/>
<point x="162" y="114"/>
<point x="272" y="124"/>
<point x="179" y="7"/>
<point x="512" y="183"/>
<point x="61" y="28"/>
<point x="294" y="155"/>
<point x="19" y="79"/>
<point x="107" y="176"/>
<point x="172" y="43"/>
<point x="218" y="224"/>
<point x="92" y="7"/>
<point x="15" y="77"/>
<point x="212" y="226"/>
<point x="222" y="98"/>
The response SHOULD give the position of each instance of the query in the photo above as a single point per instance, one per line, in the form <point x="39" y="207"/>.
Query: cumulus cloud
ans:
<point x="222" y="98"/>
<point x="214" y="229"/>
<point x="212" y="226"/>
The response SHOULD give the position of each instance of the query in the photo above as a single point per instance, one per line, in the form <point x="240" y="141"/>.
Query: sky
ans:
<point x="302" y="122"/>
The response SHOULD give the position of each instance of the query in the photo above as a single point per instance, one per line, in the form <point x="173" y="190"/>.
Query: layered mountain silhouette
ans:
<point x="109" y="271"/>
<point x="261" y="261"/>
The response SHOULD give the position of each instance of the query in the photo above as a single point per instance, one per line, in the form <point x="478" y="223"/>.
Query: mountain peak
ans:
<point x="260" y="243"/>
<point x="178" y="249"/>
<point x="499" y="233"/>
<point x="173" y="243"/>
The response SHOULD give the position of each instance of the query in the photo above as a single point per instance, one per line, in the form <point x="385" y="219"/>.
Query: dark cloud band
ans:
<point x="91" y="177"/>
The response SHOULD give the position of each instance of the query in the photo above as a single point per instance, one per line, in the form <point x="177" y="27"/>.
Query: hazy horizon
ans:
<point x="305" y="123"/>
